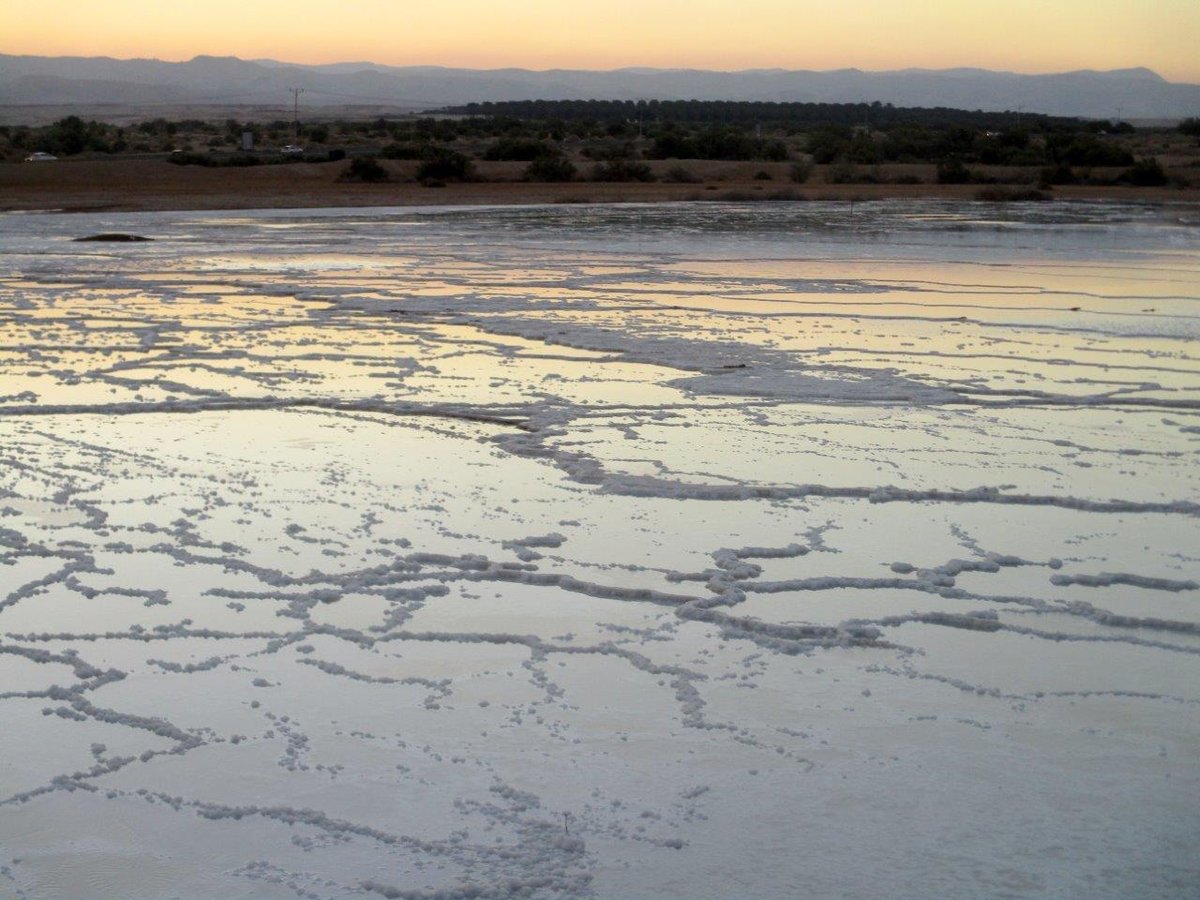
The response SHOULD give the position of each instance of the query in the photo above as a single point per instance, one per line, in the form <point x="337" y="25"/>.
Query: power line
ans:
<point x="296" y="92"/>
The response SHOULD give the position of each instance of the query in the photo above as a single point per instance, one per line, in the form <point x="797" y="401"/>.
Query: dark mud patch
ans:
<point x="115" y="237"/>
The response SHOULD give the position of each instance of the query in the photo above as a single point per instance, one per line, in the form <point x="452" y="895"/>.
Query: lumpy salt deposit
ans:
<point x="662" y="552"/>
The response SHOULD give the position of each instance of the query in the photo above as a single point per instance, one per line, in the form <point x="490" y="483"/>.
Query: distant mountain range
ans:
<point x="214" y="81"/>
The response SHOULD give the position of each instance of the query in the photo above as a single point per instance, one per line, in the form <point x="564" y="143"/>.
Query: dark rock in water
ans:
<point x="116" y="237"/>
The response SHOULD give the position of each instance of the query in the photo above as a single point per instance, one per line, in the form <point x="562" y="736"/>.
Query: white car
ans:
<point x="292" y="150"/>
<point x="39" y="156"/>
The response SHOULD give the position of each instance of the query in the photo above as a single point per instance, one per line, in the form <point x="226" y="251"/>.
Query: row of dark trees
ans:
<point x="605" y="131"/>
<point x="67" y="137"/>
<point x="754" y="113"/>
<point x="1014" y="147"/>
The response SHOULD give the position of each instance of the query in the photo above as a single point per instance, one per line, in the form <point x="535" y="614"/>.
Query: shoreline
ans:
<point x="80" y="186"/>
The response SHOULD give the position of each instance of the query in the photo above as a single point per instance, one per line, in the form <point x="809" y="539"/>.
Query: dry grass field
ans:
<point x="153" y="184"/>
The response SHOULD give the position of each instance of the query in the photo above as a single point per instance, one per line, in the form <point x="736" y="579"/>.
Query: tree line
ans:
<point x="754" y="112"/>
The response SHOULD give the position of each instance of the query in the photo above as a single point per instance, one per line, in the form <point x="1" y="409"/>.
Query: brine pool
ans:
<point x="691" y="551"/>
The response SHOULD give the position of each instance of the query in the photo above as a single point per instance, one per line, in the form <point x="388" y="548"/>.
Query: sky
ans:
<point x="1016" y="35"/>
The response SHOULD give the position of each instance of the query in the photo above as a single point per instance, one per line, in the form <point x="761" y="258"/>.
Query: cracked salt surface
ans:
<point x="692" y="551"/>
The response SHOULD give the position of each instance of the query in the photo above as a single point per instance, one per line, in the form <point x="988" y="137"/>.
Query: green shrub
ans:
<point x="1144" y="173"/>
<point x="622" y="170"/>
<point x="403" y="150"/>
<point x="550" y="168"/>
<point x="365" y="168"/>
<point x="773" y="151"/>
<point x="609" y="151"/>
<point x="1060" y="174"/>
<point x="720" y="142"/>
<point x="444" y="164"/>
<point x="800" y="171"/>
<point x="67" y="137"/>
<point x="842" y="172"/>
<point x="953" y="171"/>
<point x="1086" y="150"/>
<point x="672" y="144"/>
<point x="518" y="150"/>
<point x="829" y="144"/>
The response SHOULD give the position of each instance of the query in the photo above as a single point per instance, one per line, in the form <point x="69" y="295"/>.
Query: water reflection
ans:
<point x="357" y="545"/>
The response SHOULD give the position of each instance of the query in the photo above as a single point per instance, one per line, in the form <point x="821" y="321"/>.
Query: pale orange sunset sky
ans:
<point x="1020" y="35"/>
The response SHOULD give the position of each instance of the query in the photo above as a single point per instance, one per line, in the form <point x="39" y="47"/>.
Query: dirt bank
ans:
<point x="154" y="184"/>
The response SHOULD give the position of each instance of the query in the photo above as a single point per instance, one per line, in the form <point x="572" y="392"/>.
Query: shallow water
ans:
<point x="684" y="551"/>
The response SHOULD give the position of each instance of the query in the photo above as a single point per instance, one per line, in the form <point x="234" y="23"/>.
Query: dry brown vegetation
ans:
<point x="148" y="184"/>
<point x="506" y="160"/>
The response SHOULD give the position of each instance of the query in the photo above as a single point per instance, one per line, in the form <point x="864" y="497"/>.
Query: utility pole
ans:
<point x="296" y="92"/>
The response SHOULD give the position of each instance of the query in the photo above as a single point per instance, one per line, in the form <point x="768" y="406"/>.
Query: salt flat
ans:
<point x="654" y="551"/>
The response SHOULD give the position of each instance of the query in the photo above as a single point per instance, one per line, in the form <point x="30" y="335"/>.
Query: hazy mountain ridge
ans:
<point x="1133" y="93"/>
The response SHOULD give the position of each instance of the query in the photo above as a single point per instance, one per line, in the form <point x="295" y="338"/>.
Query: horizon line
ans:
<point x="628" y="68"/>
